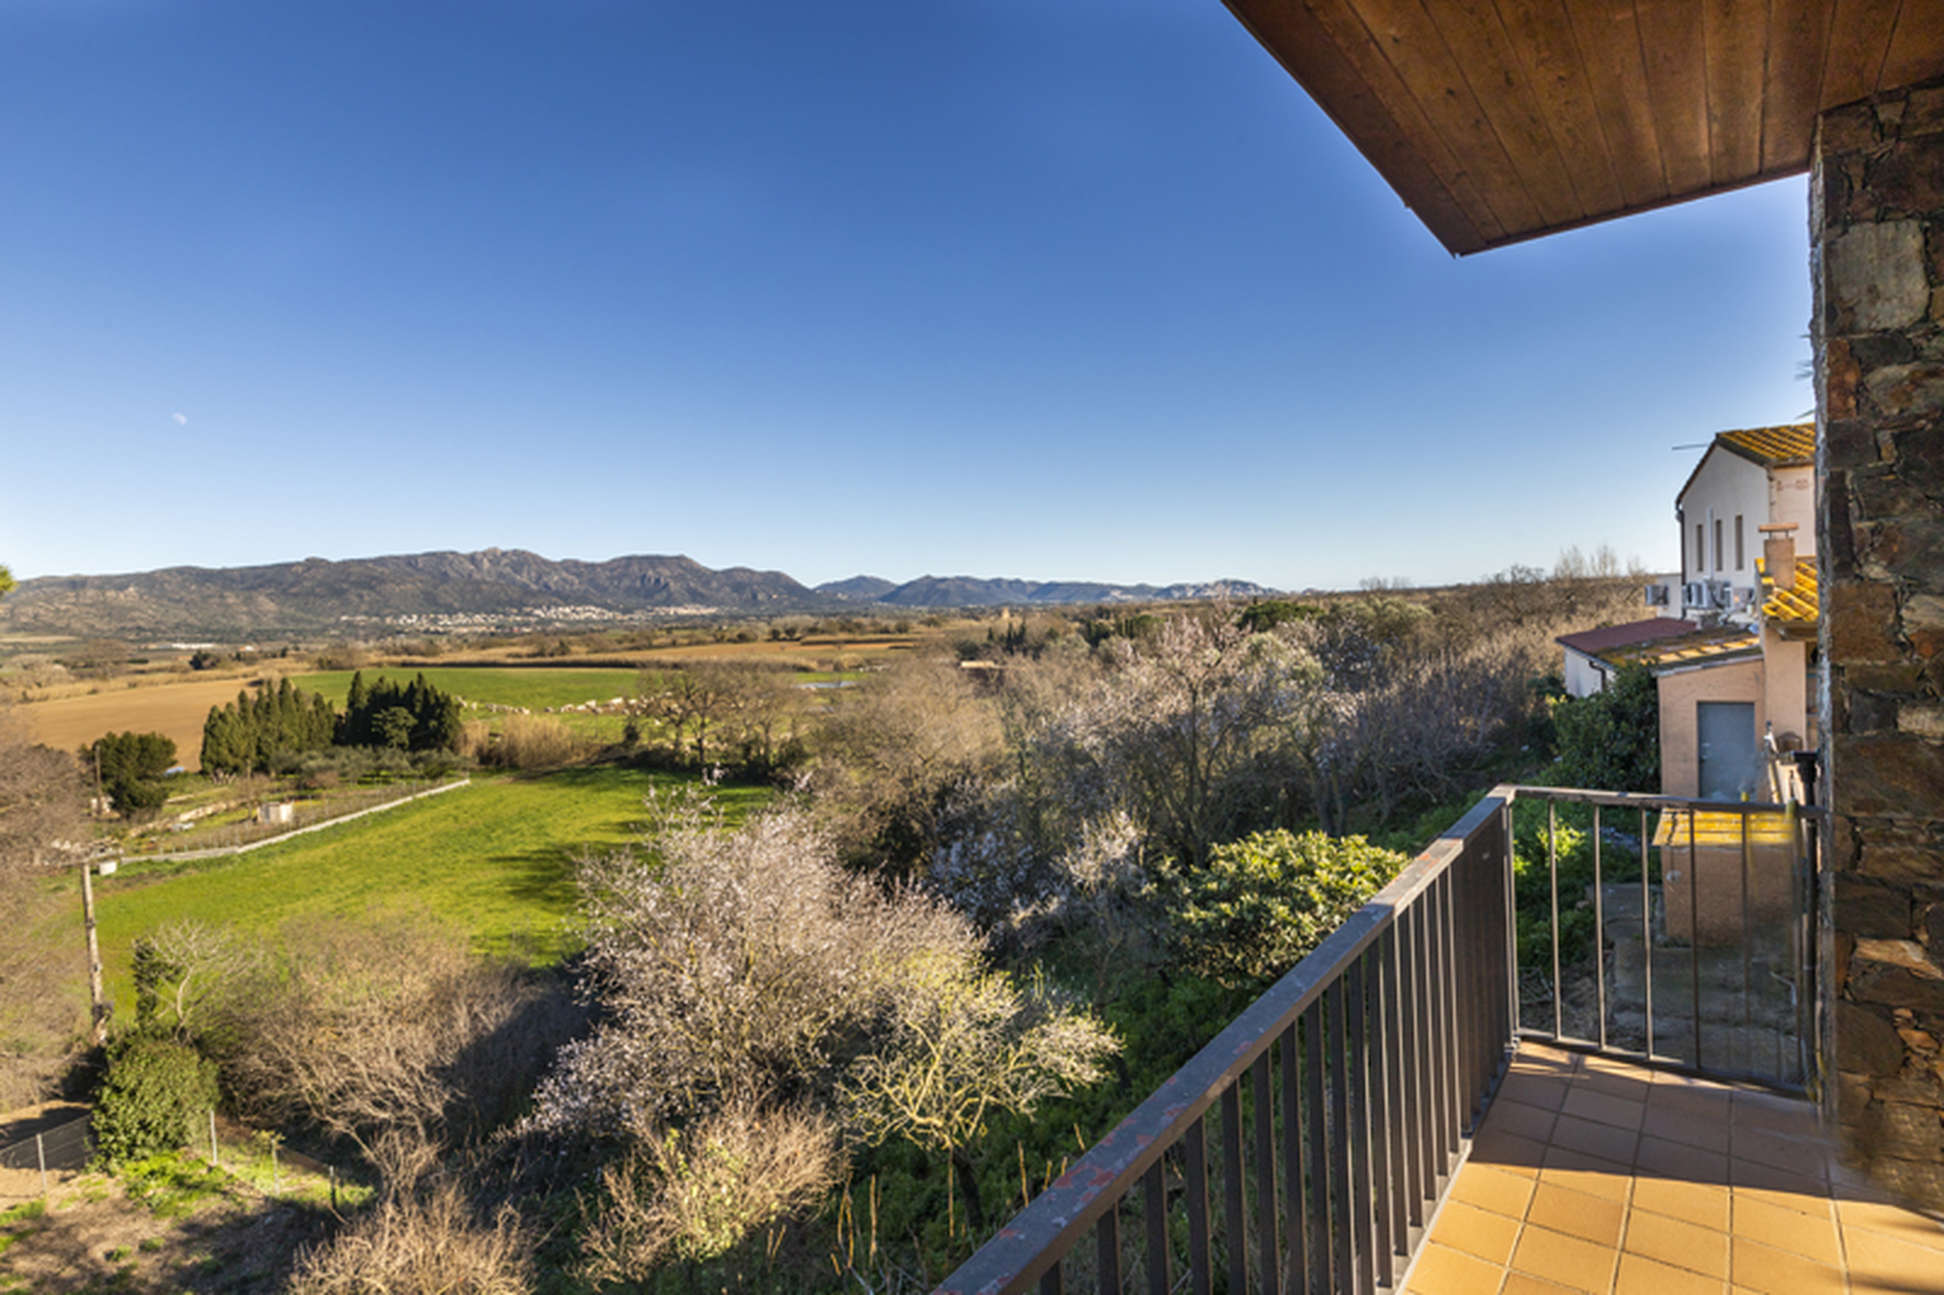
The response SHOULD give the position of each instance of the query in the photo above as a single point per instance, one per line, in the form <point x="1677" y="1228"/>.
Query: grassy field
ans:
<point x="492" y="858"/>
<point x="535" y="688"/>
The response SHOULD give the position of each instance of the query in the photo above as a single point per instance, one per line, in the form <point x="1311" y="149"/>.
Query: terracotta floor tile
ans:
<point x="1777" y="1272"/>
<point x="1546" y="1091"/>
<point x="1544" y="1054"/>
<point x="1884" y="1263"/>
<point x="1493" y="1189"/>
<point x="1785" y="1229"/>
<point x="1444" y="1271"/>
<point x="1602" y="1140"/>
<point x="1779" y="1187"/>
<point x="1706" y="1103"/>
<point x="1679" y="1160"/>
<point x="1577" y="1214"/>
<point x="1704" y="1132"/>
<point x="1678" y="1243"/>
<point x="1602" y="1108"/>
<point x="1628" y="1087"/>
<point x="1527" y="1284"/>
<point x="1569" y="1261"/>
<point x="1479" y="1233"/>
<point x="1640" y="1275"/>
<point x="1801" y="1154"/>
<point x="1772" y="1111"/>
<point x="1508" y="1151"/>
<point x="1702" y="1203"/>
<point x="1577" y="1171"/>
<point x="1891" y="1220"/>
<point x="1510" y="1116"/>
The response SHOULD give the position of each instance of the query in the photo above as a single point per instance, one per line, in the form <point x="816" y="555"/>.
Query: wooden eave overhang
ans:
<point x="1502" y="120"/>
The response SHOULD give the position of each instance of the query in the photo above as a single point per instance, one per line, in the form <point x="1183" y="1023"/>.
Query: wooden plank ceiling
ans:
<point x="1501" y="120"/>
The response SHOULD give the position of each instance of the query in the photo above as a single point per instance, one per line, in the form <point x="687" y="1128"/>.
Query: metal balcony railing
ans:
<point x="1349" y="1091"/>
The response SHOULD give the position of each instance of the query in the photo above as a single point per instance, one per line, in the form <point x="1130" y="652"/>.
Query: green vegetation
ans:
<point x="534" y="689"/>
<point x="156" y="1092"/>
<point x="493" y="858"/>
<point x="1611" y="740"/>
<point x="260" y="733"/>
<point x="1265" y="901"/>
<point x="130" y="768"/>
<point x="402" y="717"/>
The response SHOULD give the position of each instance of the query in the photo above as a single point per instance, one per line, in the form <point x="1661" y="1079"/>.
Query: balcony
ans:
<point x="1421" y="1104"/>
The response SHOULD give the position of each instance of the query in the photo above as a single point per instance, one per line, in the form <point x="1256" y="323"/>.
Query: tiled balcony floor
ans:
<point x="1595" y="1175"/>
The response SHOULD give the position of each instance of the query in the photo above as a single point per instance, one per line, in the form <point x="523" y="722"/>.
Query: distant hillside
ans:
<point x="490" y="589"/>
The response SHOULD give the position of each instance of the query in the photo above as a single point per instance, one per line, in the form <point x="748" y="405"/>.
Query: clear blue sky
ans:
<point x="1086" y="289"/>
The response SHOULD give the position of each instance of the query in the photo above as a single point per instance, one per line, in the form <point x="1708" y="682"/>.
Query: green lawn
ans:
<point x="534" y="688"/>
<point x="492" y="858"/>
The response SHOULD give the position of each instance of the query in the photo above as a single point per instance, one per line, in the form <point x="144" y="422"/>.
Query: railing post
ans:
<point x="40" y="1156"/>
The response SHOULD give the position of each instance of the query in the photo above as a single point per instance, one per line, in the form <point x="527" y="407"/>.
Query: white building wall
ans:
<point x="1792" y="498"/>
<point x="1728" y="486"/>
<point x="1584" y="675"/>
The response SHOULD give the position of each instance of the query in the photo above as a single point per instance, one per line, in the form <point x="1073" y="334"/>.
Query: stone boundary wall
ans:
<point x="184" y="856"/>
<point x="1877" y="257"/>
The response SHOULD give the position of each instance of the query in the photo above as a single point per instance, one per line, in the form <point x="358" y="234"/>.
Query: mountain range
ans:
<point x="496" y="587"/>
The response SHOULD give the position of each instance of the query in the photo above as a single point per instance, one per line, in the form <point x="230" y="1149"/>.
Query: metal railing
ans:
<point x="1714" y="934"/>
<point x="1348" y="1092"/>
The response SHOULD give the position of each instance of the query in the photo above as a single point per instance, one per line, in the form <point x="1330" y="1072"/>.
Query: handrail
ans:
<point x="1036" y="1239"/>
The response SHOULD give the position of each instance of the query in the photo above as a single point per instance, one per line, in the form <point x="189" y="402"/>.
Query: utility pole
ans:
<point x="100" y="1032"/>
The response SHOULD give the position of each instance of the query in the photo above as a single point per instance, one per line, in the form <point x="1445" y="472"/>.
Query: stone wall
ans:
<point x="1877" y="252"/>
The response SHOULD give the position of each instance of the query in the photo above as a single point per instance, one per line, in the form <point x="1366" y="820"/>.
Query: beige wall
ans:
<point x="1679" y="692"/>
<point x="1785" y="692"/>
<point x="1792" y="498"/>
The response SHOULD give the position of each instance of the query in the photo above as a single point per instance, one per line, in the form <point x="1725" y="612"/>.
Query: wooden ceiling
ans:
<point x="1501" y="120"/>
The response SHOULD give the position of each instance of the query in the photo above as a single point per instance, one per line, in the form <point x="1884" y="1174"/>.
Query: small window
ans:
<point x="1700" y="551"/>
<point x="1741" y="556"/>
<point x="1717" y="562"/>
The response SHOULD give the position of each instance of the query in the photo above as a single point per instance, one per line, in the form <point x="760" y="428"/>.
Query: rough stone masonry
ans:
<point x="1877" y="256"/>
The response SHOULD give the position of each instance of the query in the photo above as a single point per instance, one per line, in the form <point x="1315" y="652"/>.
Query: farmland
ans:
<point x="492" y="858"/>
<point x="535" y="688"/>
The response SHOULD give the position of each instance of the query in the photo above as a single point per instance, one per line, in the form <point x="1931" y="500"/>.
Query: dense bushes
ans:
<point x="260" y="734"/>
<point x="130" y="768"/>
<point x="156" y="1094"/>
<point x="1611" y="739"/>
<point x="1266" y="901"/>
<point x="407" y="717"/>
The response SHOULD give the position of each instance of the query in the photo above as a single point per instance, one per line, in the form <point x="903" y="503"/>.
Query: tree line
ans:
<point x="266" y="732"/>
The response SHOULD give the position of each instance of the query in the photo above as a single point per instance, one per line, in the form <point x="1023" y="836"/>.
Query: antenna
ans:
<point x="1697" y="445"/>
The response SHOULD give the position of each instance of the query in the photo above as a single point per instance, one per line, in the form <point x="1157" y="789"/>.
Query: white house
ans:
<point x="1734" y="676"/>
<point x="1747" y="479"/>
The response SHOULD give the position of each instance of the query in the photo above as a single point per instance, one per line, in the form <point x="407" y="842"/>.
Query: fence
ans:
<point x="28" y="1165"/>
<point x="1703" y="957"/>
<point x="1349" y="1090"/>
<point x="1345" y="1092"/>
<point x="273" y="834"/>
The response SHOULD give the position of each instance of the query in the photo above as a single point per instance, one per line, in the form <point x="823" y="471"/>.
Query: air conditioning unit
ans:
<point x="1695" y="593"/>
<point x="1742" y="596"/>
<point x="1657" y="595"/>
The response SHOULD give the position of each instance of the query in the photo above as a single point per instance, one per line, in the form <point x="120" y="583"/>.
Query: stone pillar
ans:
<point x="1877" y="256"/>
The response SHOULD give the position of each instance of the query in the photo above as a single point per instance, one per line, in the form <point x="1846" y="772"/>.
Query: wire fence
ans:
<point x="307" y="816"/>
<point x="30" y="1166"/>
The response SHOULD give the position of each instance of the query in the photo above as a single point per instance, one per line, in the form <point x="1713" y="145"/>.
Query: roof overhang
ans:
<point x="1500" y="122"/>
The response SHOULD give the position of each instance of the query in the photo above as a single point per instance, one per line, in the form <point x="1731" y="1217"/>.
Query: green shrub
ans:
<point x="1267" y="900"/>
<point x="1610" y="741"/>
<point x="154" y="1098"/>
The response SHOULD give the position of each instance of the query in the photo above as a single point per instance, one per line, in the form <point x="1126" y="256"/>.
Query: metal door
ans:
<point x="1725" y="732"/>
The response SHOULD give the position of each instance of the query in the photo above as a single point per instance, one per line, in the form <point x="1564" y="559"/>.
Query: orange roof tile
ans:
<point x="1773" y="446"/>
<point x="1798" y="606"/>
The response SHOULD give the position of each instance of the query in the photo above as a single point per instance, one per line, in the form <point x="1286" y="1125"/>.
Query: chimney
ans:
<point x="1779" y="554"/>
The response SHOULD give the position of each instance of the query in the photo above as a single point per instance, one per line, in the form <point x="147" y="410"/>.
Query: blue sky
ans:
<point x="1086" y="289"/>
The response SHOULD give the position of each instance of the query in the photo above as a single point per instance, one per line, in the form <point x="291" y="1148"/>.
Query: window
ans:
<point x="1717" y="562"/>
<point x="1740" y="555"/>
<point x="1700" y="551"/>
